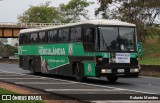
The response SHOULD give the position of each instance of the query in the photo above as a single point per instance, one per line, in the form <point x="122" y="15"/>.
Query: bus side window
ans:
<point x="75" y="34"/>
<point x="78" y="33"/>
<point x="31" y="38"/>
<point x="63" y="35"/>
<point x="60" y="36"/>
<point x="72" y="34"/>
<point x="52" y="36"/>
<point x="88" y="36"/>
<point x="25" y="38"/>
<point x="21" y="39"/>
<point x="34" y="38"/>
<point x="42" y="37"/>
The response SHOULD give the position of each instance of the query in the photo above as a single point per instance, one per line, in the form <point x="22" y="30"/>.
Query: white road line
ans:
<point x="8" y="75"/>
<point x="119" y="89"/>
<point x="95" y="85"/>
<point x="39" y="83"/>
<point x="126" y="101"/>
<point x="91" y="90"/>
<point x="19" y="78"/>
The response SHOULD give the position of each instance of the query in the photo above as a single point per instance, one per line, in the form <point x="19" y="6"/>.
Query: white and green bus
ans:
<point x="91" y="48"/>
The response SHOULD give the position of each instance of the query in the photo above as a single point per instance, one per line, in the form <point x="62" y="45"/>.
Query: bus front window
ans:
<point x="117" y="39"/>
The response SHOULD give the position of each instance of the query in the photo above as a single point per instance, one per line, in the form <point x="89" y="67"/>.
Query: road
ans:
<point x="142" y="84"/>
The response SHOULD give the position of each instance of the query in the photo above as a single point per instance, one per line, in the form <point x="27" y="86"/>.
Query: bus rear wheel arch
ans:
<point x="32" y="67"/>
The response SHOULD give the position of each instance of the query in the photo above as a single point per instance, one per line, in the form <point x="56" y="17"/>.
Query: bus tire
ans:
<point x="78" y="73"/>
<point x="31" y="67"/>
<point x="112" y="79"/>
<point x="137" y="75"/>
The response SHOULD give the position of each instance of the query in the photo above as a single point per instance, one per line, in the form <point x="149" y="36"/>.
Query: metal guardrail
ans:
<point x="28" y="25"/>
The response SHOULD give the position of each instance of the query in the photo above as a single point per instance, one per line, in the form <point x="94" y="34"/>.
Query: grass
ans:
<point x="6" y="92"/>
<point x="151" y="52"/>
<point x="151" y="61"/>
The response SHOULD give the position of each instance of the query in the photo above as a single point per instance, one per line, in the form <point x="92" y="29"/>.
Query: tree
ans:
<point x="3" y="41"/>
<point x="43" y="13"/>
<point x="65" y="13"/>
<point x="8" y="50"/>
<point x="139" y="11"/>
<point x="143" y="13"/>
<point x="74" y="10"/>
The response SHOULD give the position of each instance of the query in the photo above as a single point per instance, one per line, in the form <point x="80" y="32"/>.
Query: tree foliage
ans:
<point x="43" y="13"/>
<point x="74" y="10"/>
<point x="5" y="49"/>
<point x="8" y="50"/>
<point x="3" y="41"/>
<point x="65" y="13"/>
<point x="143" y="13"/>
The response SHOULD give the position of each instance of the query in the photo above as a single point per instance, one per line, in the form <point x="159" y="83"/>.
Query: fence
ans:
<point x="28" y="25"/>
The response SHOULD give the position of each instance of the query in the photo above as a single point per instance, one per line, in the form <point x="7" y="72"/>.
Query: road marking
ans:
<point x="19" y="78"/>
<point x="119" y="89"/>
<point x="77" y="90"/>
<point x="95" y="85"/>
<point x="39" y="83"/>
<point x="8" y="75"/>
<point x="125" y="101"/>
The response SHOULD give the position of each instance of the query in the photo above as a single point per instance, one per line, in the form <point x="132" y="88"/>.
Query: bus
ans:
<point x="91" y="48"/>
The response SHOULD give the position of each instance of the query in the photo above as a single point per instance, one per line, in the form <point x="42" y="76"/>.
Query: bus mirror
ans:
<point x="139" y="47"/>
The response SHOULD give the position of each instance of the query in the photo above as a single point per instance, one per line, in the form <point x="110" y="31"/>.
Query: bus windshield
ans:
<point x="117" y="38"/>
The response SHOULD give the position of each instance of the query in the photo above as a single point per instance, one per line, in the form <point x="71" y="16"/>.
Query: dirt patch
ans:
<point x="24" y="90"/>
<point x="155" y="55"/>
<point x="9" y="61"/>
<point x="152" y="40"/>
<point x="150" y="70"/>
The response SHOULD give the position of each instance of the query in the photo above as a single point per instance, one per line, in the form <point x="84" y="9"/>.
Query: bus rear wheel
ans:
<point x="78" y="73"/>
<point x="31" y="68"/>
<point x="112" y="79"/>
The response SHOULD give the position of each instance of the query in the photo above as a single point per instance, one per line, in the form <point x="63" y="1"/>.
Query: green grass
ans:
<point x="4" y="91"/>
<point x="151" y="52"/>
<point x="151" y="61"/>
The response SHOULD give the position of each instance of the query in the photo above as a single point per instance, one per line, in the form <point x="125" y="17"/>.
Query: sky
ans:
<point x="10" y="9"/>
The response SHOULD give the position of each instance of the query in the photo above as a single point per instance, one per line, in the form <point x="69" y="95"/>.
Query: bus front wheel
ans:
<point x="78" y="73"/>
<point x="112" y="79"/>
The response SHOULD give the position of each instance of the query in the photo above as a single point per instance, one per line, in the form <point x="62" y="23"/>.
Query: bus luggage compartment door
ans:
<point x="89" y="68"/>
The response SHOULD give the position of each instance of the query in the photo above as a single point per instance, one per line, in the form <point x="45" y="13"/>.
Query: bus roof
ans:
<point x="94" y="22"/>
<point x="28" y="30"/>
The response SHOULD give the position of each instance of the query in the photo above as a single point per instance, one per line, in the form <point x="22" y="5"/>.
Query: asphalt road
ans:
<point x="141" y="84"/>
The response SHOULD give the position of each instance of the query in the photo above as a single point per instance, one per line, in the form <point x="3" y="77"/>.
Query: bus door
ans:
<point x="89" y="39"/>
<point x="89" y="49"/>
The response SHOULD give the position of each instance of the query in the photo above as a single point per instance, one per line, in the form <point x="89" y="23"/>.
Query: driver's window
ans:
<point x="88" y="35"/>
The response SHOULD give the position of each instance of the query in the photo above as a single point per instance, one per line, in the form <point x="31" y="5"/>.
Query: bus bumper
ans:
<point x="120" y="72"/>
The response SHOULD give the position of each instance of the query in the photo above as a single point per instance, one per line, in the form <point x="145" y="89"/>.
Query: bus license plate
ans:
<point x="120" y="70"/>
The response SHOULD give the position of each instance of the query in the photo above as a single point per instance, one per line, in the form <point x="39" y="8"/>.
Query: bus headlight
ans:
<point x="134" y="70"/>
<point x="106" y="71"/>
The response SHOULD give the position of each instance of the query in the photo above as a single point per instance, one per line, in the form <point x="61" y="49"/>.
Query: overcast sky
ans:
<point x="10" y="9"/>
